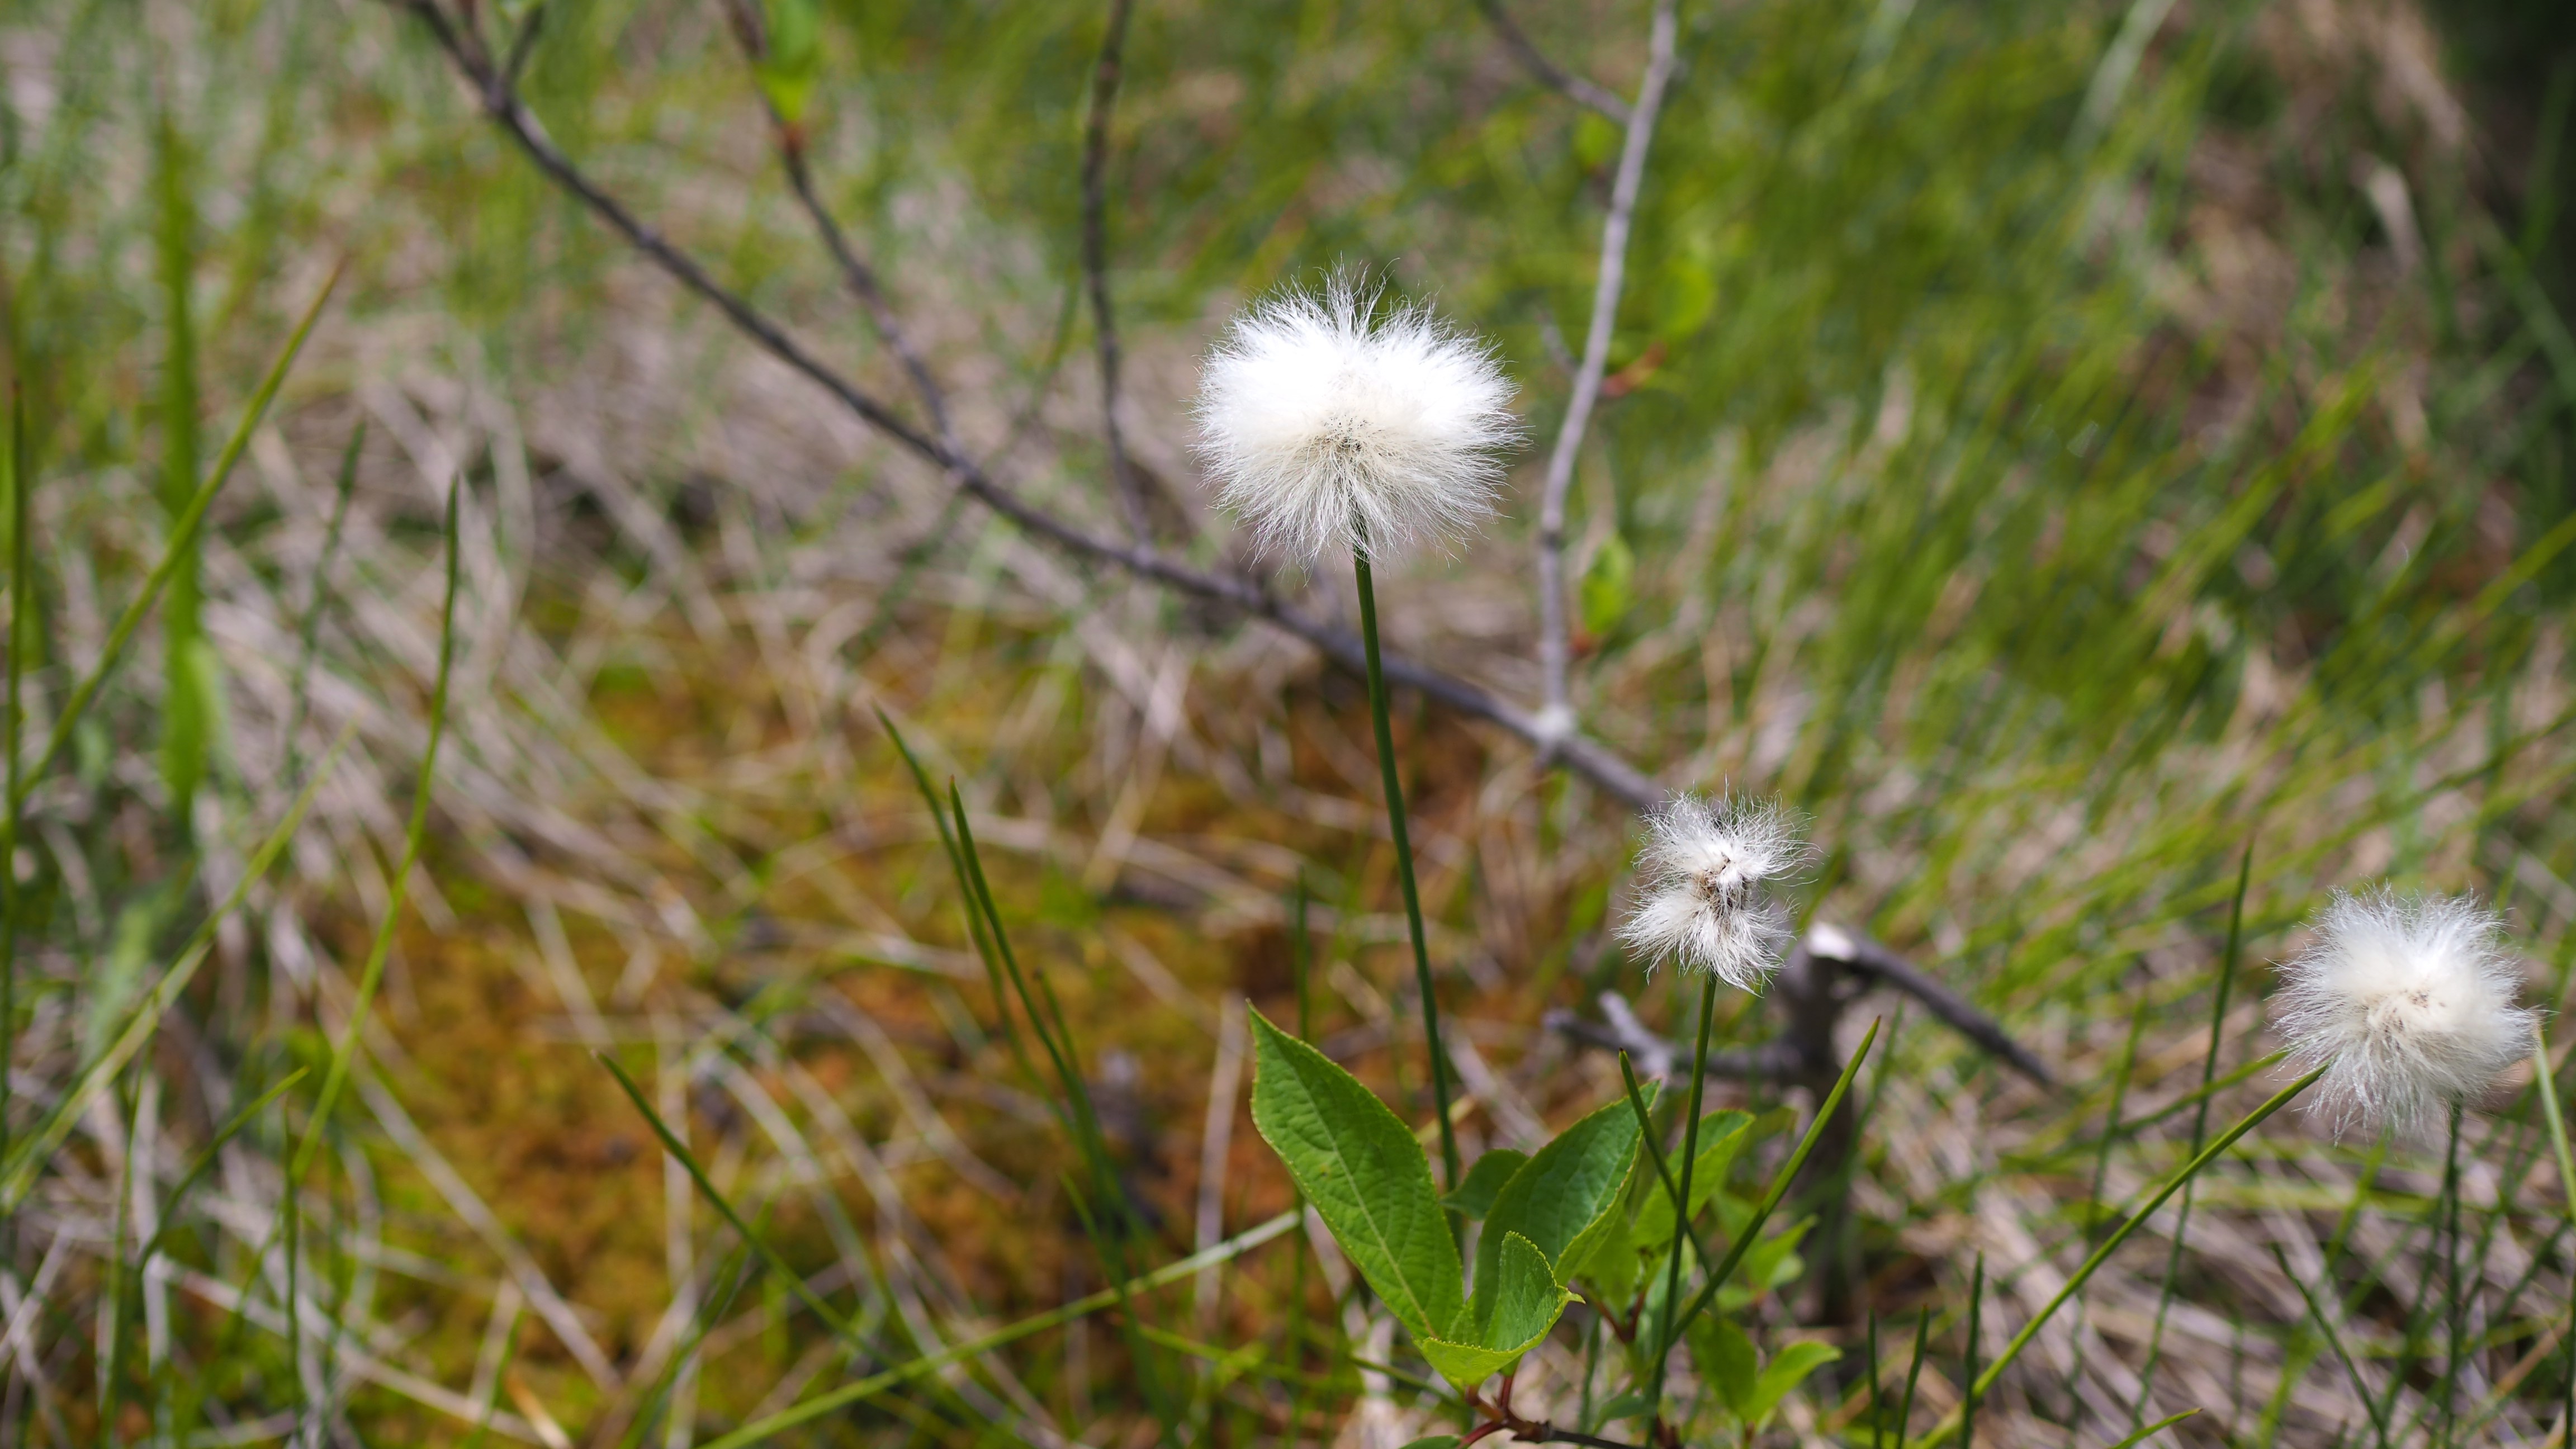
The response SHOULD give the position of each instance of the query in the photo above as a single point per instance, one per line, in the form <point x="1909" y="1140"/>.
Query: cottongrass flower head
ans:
<point x="2409" y="999"/>
<point x="1337" y="426"/>
<point x="1704" y="867"/>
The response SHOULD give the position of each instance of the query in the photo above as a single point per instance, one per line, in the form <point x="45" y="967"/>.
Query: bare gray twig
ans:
<point x="1555" y="77"/>
<point x="1553" y="644"/>
<point x="1095" y="263"/>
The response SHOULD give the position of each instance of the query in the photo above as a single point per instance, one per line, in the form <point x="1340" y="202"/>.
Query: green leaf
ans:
<point x="1514" y="1309"/>
<point x="1609" y="586"/>
<point x="1723" y="1135"/>
<point x="793" y="55"/>
<point x="1630" y="1405"/>
<point x="1563" y="1199"/>
<point x="1726" y="1360"/>
<point x="1787" y="1369"/>
<point x="1365" y="1175"/>
<point x="1436" y="1441"/>
<point x="1475" y="1197"/>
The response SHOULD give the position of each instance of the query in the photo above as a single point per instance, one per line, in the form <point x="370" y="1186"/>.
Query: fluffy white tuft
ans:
<point x="2410" y="998"/>
<point x="1704" y="866"/>
<point x="1333" y="429"/>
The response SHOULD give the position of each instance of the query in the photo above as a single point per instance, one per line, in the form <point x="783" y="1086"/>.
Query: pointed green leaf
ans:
<point x="793" y="61"/>
<point x="1609" y="586"/>
<point x="1475" y="1197"/>
<point x="1365" y="1175"/>
<point x="1564" y="1199"/>
<point x="1721" y="1135"/>
<point x="1726" y="1360"/>
<point x="1514" y="1309"/>
<point x="1787" y="1369"/>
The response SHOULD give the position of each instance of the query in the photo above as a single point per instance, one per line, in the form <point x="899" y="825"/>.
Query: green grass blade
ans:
<point x="786" y="1272"/>
<point x="2111" y="1244"/>
<point x="876" y="1384"/>
<point x="145" y="1018"/>
<point x="1788" y="1174"/>
<point x="308" y="632"/>
<point x="2199" y="1134"/>
<point x="415" y="834"/>
<point x="22" y="483"/>
<point x="2140" y="1436"/>
<point x="177" y="548"/>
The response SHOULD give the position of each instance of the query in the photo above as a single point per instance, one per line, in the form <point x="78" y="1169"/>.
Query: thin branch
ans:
<point x="1553" y="630"/>
<point x="1095" y="262"/>
<point x="1863" y="959"/>
<point x="1549" y="74"/>
<point x="1586" y="757"/>
<point x="1659" y="1057"/>
<point x="1866" y="958"/>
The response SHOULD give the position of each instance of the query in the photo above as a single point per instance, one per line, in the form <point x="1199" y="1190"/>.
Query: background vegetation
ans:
<point x="2058" y="447"/>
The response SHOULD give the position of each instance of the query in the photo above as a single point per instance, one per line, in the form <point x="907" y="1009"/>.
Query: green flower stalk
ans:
<point x="1340" y="426"/>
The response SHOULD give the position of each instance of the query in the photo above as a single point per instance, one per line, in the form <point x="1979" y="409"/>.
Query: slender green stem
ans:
<point x="1941" y="1432"/>
<point x="2455" y="1311"/>
<point x="2544" y="1081"/>
<point x="1389" y="777"/>
<point x="1682" y="1194"/>
<point x="21" y="483"/>
<point x="876" y="1384"/>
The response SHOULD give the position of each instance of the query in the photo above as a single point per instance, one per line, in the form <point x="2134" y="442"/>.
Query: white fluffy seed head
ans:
<point x="1334" y="427"/>
<point x="2411" y="1001"/>
<point x="1701" y="898"/>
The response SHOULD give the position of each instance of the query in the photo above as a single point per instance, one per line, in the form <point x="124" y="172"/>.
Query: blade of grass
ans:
<point x="113" y="1376"/>
<point x="1112" y="1242"/>
<point x="1788" y="1173"/>
<point x="509" y="1355"/>
<point x="186" y="722"/>
<point x="146" y="1014"/>
<point x="875" y="1384"/>
<point x="786" y="1273"/>
<point x="1655" y="1154"/>
<point x="22" y="482"/>
<point x="344" y="1051"/>
<point x="1913" y="1373"/>
<point x="308" y="633"/>
<point x="1976" y="1323"/>
<point x="2142" y="1435"/>
<point x="2199" y="1134"/>
<point x="974" y="916"/>
<point x="2334" y="1340"/>
<point x="2545" y="1082"/>
<point x="174" y="550"/>
<point x="1941" y="1432"/>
